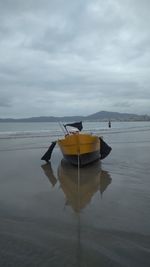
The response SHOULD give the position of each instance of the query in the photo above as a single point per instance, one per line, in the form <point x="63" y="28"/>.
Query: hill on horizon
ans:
<point x="98" y="116"/>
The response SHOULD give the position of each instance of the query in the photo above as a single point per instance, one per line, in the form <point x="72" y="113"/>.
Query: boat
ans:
<point x="78" y="187"/>
<point x="78" y="148"/>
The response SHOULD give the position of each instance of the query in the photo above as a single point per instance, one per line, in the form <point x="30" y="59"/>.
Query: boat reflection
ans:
<point x="79" y="185"/>
<point x="47" y="168"/>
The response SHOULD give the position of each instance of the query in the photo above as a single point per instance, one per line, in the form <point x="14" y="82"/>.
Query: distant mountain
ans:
<point x="99" y="116"/>
<point x="116" y="116"/>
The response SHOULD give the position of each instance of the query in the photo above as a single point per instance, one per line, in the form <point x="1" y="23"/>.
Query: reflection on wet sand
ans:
<point x="49" y="173"/>
<point x="79" y="185"/>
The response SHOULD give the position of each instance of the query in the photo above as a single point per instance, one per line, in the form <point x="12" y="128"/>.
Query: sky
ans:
<point x="63" y="57"/>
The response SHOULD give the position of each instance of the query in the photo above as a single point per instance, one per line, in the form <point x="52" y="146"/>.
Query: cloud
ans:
<point x="5" y="102"/>
<point x="74" y="57"/>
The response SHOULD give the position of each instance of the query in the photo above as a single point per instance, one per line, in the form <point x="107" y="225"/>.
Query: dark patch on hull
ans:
<point x="104" y="149"/>
<point x="84" y="159"/>
<point x="47" y="155"/>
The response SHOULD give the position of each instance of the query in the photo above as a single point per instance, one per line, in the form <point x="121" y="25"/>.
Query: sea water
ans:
<point x="56" y="215"/>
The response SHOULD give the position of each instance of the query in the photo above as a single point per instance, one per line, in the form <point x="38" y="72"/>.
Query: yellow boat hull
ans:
<point x="80" y="148"/>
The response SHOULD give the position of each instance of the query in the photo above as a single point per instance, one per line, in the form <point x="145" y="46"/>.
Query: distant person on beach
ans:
<point x="109" y="124"/>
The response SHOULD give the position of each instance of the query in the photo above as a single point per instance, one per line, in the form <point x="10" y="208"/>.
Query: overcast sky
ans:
<point x="74" y="57"/>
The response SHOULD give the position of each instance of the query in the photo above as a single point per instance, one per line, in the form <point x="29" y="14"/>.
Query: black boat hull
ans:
<point x="83" y="159"/>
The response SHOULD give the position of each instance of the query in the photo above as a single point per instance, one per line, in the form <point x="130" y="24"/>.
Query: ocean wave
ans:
<point x="29" y="134"/>
<point x="59" y="133"/>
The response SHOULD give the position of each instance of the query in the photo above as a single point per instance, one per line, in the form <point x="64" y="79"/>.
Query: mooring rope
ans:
<point x="78" y="214"/>
<point x="79" y="181"/>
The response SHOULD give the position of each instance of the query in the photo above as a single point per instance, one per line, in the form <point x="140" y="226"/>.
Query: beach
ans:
<point x="49" y="218"/>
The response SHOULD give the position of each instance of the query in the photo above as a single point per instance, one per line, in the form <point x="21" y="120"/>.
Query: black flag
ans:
<point x="77" y="125"/>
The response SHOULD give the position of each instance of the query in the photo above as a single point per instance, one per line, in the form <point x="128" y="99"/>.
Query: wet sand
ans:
<point x="50" y="218"/>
